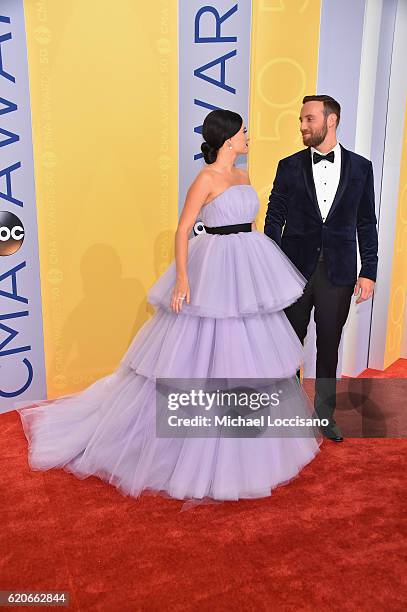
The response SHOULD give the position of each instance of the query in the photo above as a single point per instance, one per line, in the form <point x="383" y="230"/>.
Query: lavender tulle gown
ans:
<point x="233" y="327"/>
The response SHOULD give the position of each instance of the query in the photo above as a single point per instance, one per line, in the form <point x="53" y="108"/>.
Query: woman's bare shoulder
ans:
<point x="204" y="177"/>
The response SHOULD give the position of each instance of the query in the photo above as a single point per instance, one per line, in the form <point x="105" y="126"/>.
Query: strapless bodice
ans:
<point x="236" y="204"/>
<point x="232" y="275"/>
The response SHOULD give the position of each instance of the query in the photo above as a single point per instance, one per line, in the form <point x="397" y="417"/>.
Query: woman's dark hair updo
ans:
<point x="218" y="126"/>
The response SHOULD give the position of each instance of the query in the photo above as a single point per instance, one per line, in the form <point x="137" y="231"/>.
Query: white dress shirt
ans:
<point x="326" y="179"/>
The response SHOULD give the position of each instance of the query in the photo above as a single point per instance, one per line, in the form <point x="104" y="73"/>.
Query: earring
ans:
<point x="230" y="146"/>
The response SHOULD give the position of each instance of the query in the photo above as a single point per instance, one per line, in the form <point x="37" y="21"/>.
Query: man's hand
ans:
<point x="365" y="287"/>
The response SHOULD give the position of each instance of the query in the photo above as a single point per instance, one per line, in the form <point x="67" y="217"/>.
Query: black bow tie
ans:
<point x="316" y="157"/>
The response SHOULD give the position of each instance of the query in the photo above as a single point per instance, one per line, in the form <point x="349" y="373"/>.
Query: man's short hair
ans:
<point x="330" y="105"/>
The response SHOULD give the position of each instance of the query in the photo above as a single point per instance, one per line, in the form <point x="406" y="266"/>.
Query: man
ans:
<point x="322" y="198"/>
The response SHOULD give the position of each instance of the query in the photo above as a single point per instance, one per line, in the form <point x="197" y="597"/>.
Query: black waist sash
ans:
<point x="229" y="229"/>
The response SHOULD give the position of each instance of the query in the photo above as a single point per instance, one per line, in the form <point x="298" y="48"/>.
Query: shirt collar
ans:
<point x="337" y="149"/>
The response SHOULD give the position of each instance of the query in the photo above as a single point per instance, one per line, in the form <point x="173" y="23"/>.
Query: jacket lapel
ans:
<point x="343" y="180"/>
<point x="309" y="180"/>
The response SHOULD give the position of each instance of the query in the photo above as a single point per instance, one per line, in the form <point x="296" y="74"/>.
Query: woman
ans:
<point x="219" y="315"/>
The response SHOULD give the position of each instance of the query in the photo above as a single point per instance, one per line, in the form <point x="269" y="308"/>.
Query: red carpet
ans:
<point x="332" y="539"/>
<point x="398" y="369"/>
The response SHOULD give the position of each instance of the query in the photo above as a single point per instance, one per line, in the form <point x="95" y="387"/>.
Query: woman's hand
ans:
<point x="180" y="293"/>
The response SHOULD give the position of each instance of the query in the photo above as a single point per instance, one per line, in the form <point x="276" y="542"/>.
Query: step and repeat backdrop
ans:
<point x="101" y="111"/>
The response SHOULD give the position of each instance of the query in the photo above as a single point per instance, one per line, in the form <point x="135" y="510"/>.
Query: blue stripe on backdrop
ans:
<point x="22" y="367"/>
<point x="340" y="49"/>
<point x="388" y="19"/>
<point x="214" y="71"/>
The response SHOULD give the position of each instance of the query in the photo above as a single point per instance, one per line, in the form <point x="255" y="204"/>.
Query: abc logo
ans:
<point x="11" y="233"/>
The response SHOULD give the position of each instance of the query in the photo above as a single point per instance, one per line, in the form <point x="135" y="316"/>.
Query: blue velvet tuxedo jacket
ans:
<point x="294" y="220"/>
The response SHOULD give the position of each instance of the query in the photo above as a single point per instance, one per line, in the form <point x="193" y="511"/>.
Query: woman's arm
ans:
<point x="196" y="196"/>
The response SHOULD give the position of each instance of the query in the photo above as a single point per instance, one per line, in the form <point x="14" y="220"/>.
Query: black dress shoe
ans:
<point x="333" y="433"/>
<point x="335" y="438"/>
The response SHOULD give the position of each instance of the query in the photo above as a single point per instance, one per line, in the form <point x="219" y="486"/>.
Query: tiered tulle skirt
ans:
<point x="233" y="327"/>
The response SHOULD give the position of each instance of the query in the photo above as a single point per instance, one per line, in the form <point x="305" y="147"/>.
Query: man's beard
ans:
<point x="317" y="137"/>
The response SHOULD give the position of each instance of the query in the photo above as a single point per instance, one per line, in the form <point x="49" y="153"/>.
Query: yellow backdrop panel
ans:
<point x="103" y="83"/>
<point x="396" y="313"/>
<point x="284" y="63"/>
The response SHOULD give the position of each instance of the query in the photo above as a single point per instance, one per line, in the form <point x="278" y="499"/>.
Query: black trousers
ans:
<point x="331" y="303"/>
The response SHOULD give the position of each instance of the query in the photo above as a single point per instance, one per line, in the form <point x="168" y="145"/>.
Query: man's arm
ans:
<point x="367" y="239"/>
<point x="367" y="229"/>
<point x="277" y="207"/>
